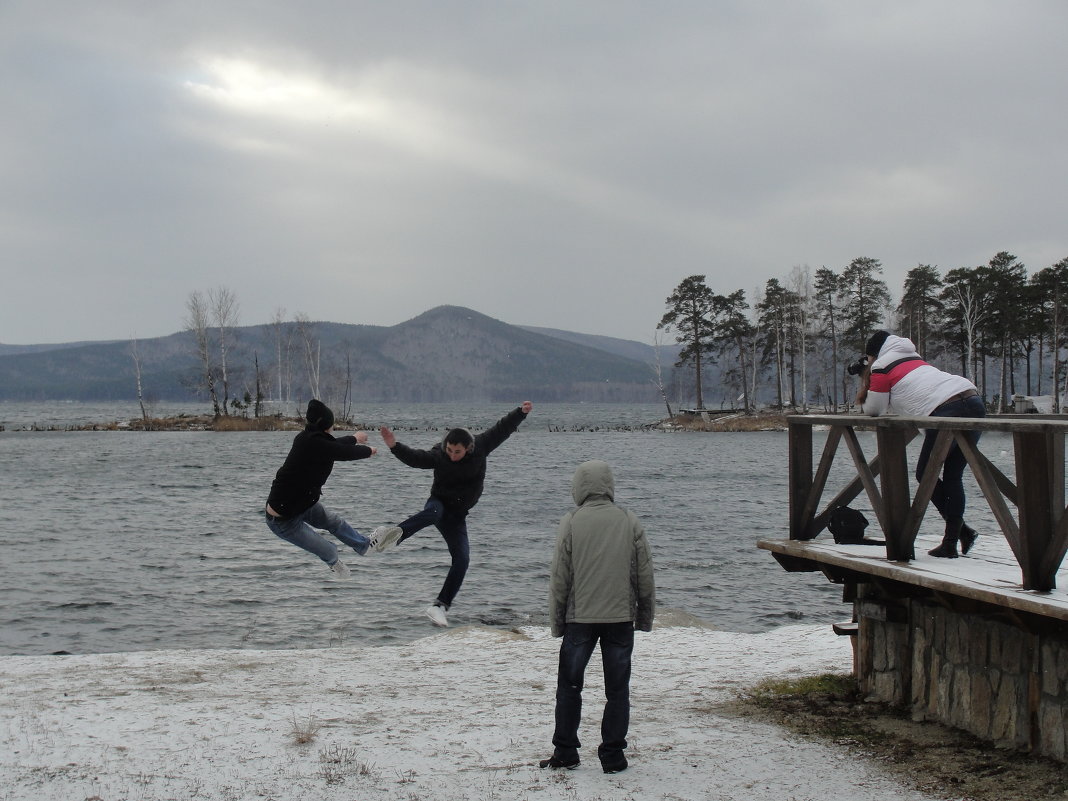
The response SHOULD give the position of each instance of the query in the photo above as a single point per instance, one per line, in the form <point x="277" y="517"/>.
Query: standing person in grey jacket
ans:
<point x="600" y="590"/>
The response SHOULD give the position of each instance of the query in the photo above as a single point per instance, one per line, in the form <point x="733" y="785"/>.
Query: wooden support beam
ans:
<point x="993" y="495"/>
<point x="800" y="479"/>
<point x="1036" y="523"/>
<point x="866" y="476"/>
<point x="815" y="492"/>
<point x="1039" y="539"/>
<point x="895" y="495"/>
<point x="937" y="459"/>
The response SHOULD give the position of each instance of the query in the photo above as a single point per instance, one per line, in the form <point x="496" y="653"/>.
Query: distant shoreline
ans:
<point x="207" y="422"/>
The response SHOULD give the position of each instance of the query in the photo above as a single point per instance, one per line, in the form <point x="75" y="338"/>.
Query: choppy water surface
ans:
<point x="118" y="541"/>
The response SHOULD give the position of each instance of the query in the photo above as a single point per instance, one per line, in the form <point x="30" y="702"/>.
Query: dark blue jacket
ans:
<point x="458" y="485"/>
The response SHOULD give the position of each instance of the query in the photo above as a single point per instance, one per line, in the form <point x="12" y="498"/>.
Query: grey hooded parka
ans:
<point x="602" y="571"/>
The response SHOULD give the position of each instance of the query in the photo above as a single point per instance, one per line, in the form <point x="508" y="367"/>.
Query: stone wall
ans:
<point x="980" y="668"/>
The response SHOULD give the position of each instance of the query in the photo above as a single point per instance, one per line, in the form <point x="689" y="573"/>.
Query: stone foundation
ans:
<point x="1000" y="675"/>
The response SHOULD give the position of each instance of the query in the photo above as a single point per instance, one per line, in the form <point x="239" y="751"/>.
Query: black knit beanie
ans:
<point x="319" y="415"/>
<point x="875" y="344"/>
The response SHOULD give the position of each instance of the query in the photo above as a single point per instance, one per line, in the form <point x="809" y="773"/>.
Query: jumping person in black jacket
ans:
<point x="459" y="465"/>
<point x="293" y="510"/>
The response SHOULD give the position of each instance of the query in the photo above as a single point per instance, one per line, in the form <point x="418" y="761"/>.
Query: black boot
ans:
<point x="948" y="548"/>
<point x="968" y="536"/>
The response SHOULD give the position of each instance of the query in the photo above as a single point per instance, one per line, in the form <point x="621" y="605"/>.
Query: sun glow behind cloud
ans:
<point x="408" y="110"/>
<point x="246" y="87"/>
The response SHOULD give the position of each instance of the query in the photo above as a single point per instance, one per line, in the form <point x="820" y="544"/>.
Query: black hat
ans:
<point x="319" y="415"/>
<point x="875" y="344"/>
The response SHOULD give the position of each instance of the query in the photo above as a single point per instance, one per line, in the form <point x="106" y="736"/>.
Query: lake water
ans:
<point x="120" y="541"/>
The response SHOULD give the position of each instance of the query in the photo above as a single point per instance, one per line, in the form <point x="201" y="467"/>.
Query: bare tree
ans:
<point x="963" y="297"/>
<point x="312" y="351"/>
<point x="135" y="353"/>
<point x="225" y="313"/>
<point x="659" y="372"/>
<point x="196" y="322"/>
<point x="283" y="339"/>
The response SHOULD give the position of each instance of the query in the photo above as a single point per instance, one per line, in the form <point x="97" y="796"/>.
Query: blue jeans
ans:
<point x="948" y="495"/>
<point x="453" y="529"/>
<point x="300" y="531"/>
<point x="617" y="645"/>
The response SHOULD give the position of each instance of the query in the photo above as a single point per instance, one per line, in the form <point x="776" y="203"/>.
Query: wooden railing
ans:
<point x="1038" y="536"/>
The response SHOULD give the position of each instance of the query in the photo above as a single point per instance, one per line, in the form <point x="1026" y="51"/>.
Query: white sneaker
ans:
<point x="385" y="537"/>
<point x="437" y="616"/>
<point x="340" y="569"/>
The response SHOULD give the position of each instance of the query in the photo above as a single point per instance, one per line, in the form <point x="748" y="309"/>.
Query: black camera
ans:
<point x="858" y="367"/>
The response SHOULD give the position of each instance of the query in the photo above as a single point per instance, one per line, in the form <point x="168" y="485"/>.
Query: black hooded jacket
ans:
<point x="298" y="484"/>
<point x="458" y="485"/>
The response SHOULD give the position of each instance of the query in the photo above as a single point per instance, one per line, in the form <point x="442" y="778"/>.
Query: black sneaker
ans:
<point x="557" y="762"/>
<point x="614" y="765"/>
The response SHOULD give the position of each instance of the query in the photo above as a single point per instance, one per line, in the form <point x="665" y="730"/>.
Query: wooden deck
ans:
<point x="1037" y="535"/>
<point x="989" y="575"/>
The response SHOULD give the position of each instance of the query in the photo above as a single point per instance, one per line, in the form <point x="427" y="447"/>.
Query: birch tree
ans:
<point x="312" y="351"/>
<point x="135" y="354"/>
<point x="225" y="313"/>
<point x="197" y="321"/>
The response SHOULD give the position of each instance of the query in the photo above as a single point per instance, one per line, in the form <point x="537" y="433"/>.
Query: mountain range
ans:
<point x="446" y="354"/>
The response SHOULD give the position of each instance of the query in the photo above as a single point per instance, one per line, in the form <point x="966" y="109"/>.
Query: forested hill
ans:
<point x="446" y="354"/>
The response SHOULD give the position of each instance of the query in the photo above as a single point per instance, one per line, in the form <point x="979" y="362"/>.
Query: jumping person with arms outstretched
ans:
<point x="459" y="465"/>
<point x="293" y="510"/>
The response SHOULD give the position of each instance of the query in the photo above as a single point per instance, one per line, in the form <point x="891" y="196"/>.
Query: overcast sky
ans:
<point x="561" y="164"/>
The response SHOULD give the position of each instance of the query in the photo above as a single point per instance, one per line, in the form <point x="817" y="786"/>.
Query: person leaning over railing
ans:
<point x="897" y="379"/>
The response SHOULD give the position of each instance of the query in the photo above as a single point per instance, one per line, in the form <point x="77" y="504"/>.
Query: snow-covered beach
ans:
<point x="462" y="714"/>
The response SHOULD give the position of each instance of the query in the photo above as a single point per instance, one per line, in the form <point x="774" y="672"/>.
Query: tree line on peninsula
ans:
<point x="996" y="324"/>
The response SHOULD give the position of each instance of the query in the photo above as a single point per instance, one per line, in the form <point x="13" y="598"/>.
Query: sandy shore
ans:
<point x="464" y="714"/>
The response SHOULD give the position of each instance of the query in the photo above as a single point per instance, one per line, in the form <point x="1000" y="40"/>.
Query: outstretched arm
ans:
<point x="387" y="436"/>
<point x="410" y="456"/>
<point x="489" y="440"/>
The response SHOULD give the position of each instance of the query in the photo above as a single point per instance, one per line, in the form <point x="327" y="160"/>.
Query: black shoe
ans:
<point x="968" y="536"/>
<point x="615" y="765"/>
<point x="945" y="550"/>
<point x="556" y="762"/>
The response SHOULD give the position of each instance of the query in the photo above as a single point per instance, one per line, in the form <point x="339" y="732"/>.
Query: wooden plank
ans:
<point x="1054" y="424"/>
<point x="918" y="574"/>
<point x="1036" y="529"/>
<point x="895" y="493"/>
<point x="853" y="488"/>
<point x="800" y="477"/>
<point x="847" y="628"/>
<point x="1054" y="556"/>
<point x="1007" y="487"/>
<point x="939" y="452"/>
<point x="815" y="492"/>
<point x="991" y="492"/>
<point x="866" y="476"/>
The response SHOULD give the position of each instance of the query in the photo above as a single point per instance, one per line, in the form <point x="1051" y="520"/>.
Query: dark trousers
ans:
<point x="617" y="645"/>
<point x="948" y="495"/>
<point x="453" y="529"/>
